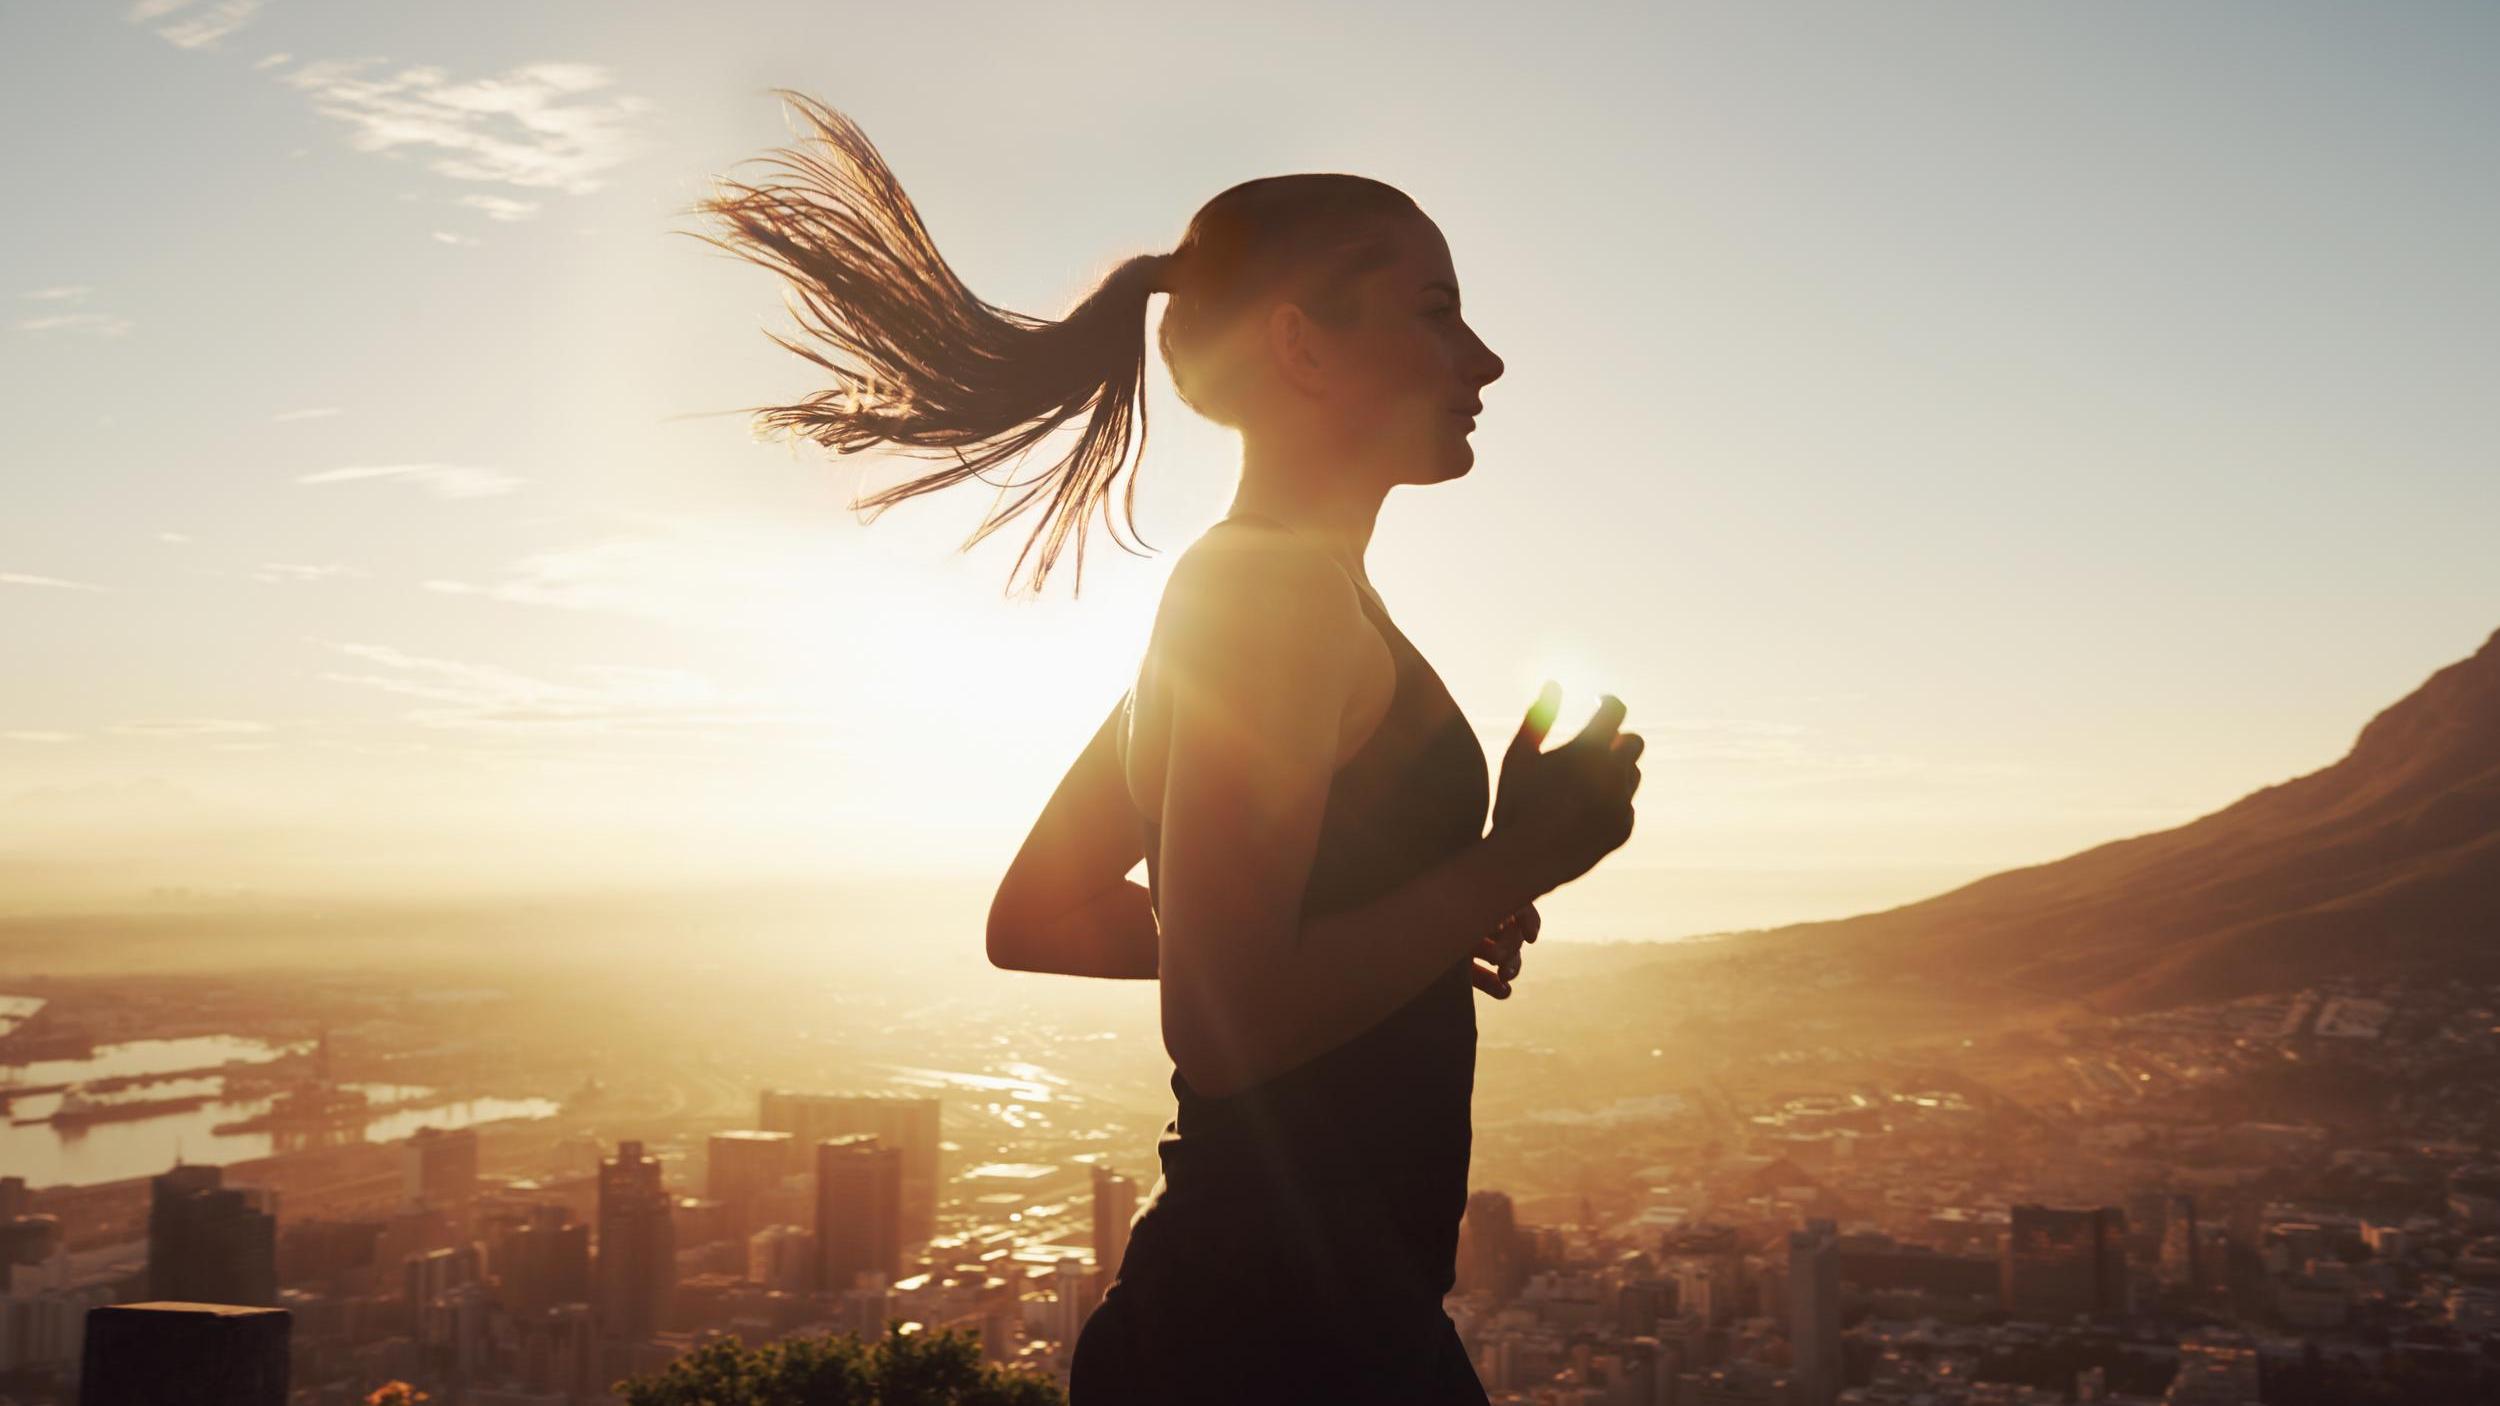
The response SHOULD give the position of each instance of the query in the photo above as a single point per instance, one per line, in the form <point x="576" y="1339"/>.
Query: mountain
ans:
<point x="2386" y="861"/>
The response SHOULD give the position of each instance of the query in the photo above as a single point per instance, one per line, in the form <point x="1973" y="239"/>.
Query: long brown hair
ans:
<point x="920" y="363"/>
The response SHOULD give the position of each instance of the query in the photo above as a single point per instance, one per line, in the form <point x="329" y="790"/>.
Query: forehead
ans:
<point x="1420" y="254"/>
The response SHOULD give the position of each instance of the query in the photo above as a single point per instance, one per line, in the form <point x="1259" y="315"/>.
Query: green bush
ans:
<point x="922" y="1369"/>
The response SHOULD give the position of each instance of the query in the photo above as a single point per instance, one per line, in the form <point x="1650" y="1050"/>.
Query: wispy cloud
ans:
<point x="288" y="417"/>
<point x="67" y="292"/>
<point x="281" y="572"/>
<point x="276" y="60"/>
<point x="543" y="126"/>
<point x="444" y="236"/>
<point x="444" y="480"/>
<point x="40" y="736"/>
<point x="188" y="727"/>
<point x="197" y="29"/>
<point x="101" y="324"/>
<point x="175" y="537"/>
<point x="659" y="577"/>
<point x="502" y="208"/>
<point x="610" y="699"/>
<point x="20" y="578"/>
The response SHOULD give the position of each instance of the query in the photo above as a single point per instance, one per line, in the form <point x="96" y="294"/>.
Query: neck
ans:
<point x="1314" y="495"/>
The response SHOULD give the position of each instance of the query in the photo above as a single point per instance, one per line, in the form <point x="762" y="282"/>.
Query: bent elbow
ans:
<point x="1007" y="942"/>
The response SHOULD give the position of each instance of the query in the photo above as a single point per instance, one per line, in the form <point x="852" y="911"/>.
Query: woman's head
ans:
<point x="1325" y="307"/>
<point x="1320" y="307"/>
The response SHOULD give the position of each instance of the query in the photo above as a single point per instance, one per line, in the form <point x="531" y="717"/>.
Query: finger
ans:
<point x="1531" y="923"/>
<point x="1598" y="733"/>
<point x="1491" y="951"/>
<point x="1540" y="718"/>
<point x="1634" y="787"/>
<point x="1488" y="983"/>
<point x="1628" y="745"/>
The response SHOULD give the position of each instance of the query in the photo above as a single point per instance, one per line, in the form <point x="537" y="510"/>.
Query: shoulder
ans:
<point x="1258" y="582"/>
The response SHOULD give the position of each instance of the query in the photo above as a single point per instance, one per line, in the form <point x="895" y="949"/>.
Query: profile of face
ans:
<point x="1395" y="387"/>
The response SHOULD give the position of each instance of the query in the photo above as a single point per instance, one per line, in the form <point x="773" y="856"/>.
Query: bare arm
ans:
<point x="1066" y="904"/>
<point x="1257" y="640"/>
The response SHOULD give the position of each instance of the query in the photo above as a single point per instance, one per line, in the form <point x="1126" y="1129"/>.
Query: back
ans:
<point x="1341" y="1180"/>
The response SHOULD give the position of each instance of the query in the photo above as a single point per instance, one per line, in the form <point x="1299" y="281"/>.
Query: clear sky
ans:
<point x="1961" y="433"/>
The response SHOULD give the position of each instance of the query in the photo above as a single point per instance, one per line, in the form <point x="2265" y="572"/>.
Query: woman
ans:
<point x="1309" y="802"/>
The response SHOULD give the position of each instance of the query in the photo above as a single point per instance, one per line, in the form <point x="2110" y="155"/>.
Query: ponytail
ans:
<point x="920" y="363"/>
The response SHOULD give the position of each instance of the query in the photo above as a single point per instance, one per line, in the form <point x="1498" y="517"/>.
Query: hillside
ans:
<point x="2389" y="859"/>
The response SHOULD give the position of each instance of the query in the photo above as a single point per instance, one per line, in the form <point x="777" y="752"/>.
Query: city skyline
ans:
<point x="1941" y="495"/>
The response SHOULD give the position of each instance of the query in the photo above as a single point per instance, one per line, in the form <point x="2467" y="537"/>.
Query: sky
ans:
<point x="1961" y="433"/>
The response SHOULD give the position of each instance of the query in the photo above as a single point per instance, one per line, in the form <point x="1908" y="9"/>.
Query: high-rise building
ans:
<point x="2057" y="1263"/>
<point x="741" y="1167"/>
<point x="1814" y="1314"/>
<point x="1492" y="1256"/>
<point x="211" y="1243"/>
<point x="905" y="1122"/>
<point x="2182" y="1249"/>
<point x="782" y="1257"/>
<point x="439" y="1168"/>
<point x="1115" y="1205"/>
<point x="427" y="1278"/>
<point x="636" y="1272"/>
<point x="540" y="1257"/>
<point x="859" y="1185"/>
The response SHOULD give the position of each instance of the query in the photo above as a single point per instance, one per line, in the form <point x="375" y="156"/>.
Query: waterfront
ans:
<point x="98" y="1152"/>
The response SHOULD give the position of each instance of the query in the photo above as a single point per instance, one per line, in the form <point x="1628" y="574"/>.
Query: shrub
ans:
<point x="919" y="1369"/>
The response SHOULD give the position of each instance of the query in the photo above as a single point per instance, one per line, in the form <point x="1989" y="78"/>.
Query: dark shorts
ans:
<point x="1128" y="1355"/>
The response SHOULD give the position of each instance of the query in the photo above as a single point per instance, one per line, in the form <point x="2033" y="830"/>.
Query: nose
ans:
<point x="1486" y="368"/>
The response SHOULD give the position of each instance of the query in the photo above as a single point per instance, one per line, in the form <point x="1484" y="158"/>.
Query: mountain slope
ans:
<point x="2388" y="859"/>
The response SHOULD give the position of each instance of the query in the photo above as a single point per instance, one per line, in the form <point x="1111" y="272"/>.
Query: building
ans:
<point x="635" y="1275"/>
<point x="782" y="1257"/>
<point x="426" y="1279"/>
<point x="211" y="1243"/>
<point x="907" y="1123"/>
<point x="1814" y="1314"/>
<point x="859" y="1184"/>
<point x="2215" y="1370"/>
<point x="439" y="1168"/>
<point x="740" y="1168"/>
<point x="1492" y="1258"/>
<point x="2058" y="1263"/>
<point x="1115" y="1206"/>
<point x="540" y="1257"/>
<point x="2182" y="1248"/>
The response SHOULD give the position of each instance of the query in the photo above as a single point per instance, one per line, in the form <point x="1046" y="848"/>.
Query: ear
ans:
<point x="1295" y="348"/>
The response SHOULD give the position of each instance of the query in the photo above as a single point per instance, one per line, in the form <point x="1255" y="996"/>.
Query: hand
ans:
<point x="1560" y="812"/>
<point x="1496" y="963"/>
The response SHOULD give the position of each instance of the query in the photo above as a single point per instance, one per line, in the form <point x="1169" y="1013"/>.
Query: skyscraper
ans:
<point x="907" y="1123"/>
<point x="1491" y="1257"/>
<point x="540" y="1257"/>
<point x="859" y="1186"/>
<point x="1814" y="1313"/>
<point x="2057" y="1263"/>
<point x="211" y="1243"/>
<point x="741" y="1166"/>
<point x="1115" y="1205"/>
<point x="439" y="1168"/>
<point x="637" y="1267"/>
<point x="2182" y="1249"/>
